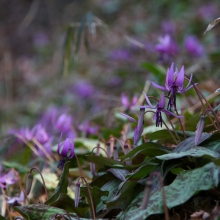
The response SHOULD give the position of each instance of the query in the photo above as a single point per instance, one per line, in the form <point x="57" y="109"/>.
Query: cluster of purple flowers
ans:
<point x="174" y="84"/>
<point x="167" y="46"/>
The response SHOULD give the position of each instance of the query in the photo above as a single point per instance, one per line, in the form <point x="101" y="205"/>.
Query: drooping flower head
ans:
<point x="65" y="150"/>
<point x="174" y="84"/>
<point x="159" y="109"/>
<point x="193" y="46"/>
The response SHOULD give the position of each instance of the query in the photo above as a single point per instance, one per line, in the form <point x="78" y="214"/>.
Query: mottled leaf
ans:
<point x="39" y="211"/>
<point x="150" y="149"/>
<point x="119" y="173"/>
<point x="103" y="161"/>
<point x="193" y="152"/>
<point x="190" y="143"/>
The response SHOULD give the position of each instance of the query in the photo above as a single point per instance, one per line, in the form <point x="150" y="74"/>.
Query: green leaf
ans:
<point x="20" y="168"/>
<point x="193" y="152"/>
<point x="151" y="149"/>
<point x="190" y="182"/>
<point x="39" y="211"/>
<point x="62" y="184"/>
<point x="103" y="161"/>
<point x="163" y="135"/>
<point x="119" y="173"/>
<point x="67" y="50"/>
<point x="2" y="218"/>
<point x="97" y="195"/>
<point x="157" y="70"/>
<point x="141" y="172"/>
<point x="190" y="143"/>
<point x="66" y="203"/>
<point x="123" y="199"/>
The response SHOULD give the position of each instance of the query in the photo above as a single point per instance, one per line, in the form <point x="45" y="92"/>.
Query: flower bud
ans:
<point x="115" y="153"/>
<point x="77" y="194"/>
<point x="29" y="182"/>
<point x="108" y="148"/>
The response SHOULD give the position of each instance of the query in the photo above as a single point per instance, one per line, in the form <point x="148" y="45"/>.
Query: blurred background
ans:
<point x="82" y="55"/>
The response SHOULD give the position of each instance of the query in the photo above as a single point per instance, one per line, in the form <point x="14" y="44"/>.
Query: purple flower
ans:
<point x="15" y="201"/>
<point x="25" y="133"/>
<point x="193" y="46"/>
<point x="83" y="88"/>
<point x="174" y="84"/>
<point x="208" y="11"/>
<point x="166" y="46"/>
<point x="64" y="123"/>
<point x="140" y="125"/>
<point x="120" y="55"/>
<point x="159" y="109"/>
<point x="77" y="194"/>
<point x="128" y="104"/>
<point x="9" y="178"/>
<point x="88" y="129"/>
<point x="65" y="150"/>
<point x="40" y="134"/>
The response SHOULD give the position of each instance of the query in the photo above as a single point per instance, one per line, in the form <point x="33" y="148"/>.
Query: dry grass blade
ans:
<point x="212" y="25"/>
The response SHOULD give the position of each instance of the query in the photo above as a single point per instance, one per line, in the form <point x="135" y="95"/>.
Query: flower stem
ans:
<point x="45" y="189"/>
<point x="90" y="196"/>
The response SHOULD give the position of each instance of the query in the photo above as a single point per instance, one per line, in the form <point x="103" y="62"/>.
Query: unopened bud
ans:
<point x="92" y="169"/>
<point x="77" y="194"/>
<point x="29" y="183"/>
<point x="115" y="153"/>
<point x="108" y="148"/>
<point x="146" y="196"/>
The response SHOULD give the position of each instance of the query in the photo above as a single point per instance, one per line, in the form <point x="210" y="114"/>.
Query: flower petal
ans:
<point x="159" y="87"/>
<point x="170" y="75"/>
<point x="180" y="78"/>
<point x="171" y="113"/>
<point x="148" y="101"/>
<point x="162" y="102"/>
<point x="128" y="117"/>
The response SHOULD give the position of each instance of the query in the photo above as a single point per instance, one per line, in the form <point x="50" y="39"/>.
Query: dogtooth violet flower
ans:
<point x="193" y="46"/>
<point x="8" y="179"/>
<point x="166" y="45"/>
<point x="65" y="150"/>
<point x="174" y="84"/>
<point x="140" y="125"/>
<point x="128" y="104"/>
<point x="159" y="109"/>
<point x="15" y="201"/>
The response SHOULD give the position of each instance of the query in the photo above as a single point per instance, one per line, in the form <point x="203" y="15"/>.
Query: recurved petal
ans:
<point x="159" y="87"/>
<point x="171" y="113"/>
<point x="170" y="75"/>
<point x="128" y="117"/>
<point x="148" y="101"/>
